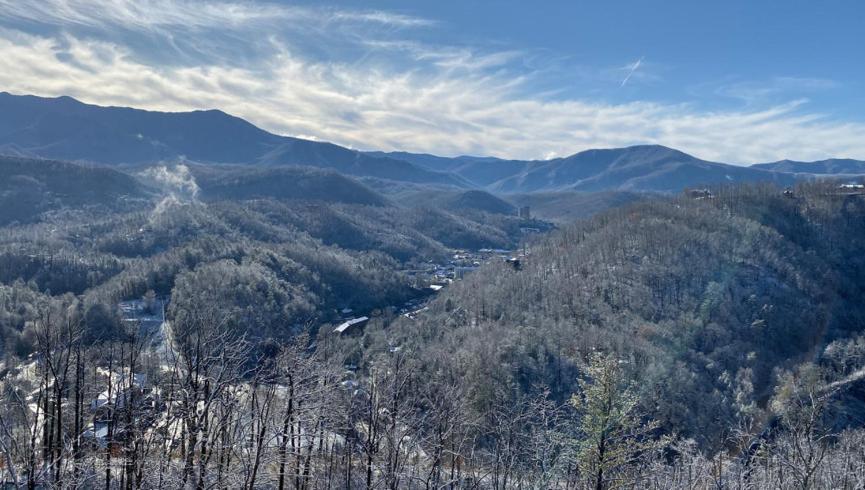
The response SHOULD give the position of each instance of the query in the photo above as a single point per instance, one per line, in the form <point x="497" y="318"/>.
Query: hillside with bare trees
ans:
<point x="689" y="342"/>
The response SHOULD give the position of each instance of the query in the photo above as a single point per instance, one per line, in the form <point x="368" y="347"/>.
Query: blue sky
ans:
<point x="732" y="81"/>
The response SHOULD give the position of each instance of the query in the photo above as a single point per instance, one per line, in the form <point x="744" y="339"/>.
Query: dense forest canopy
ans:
<point x="309" y="242"/>
<point x="705" y="300"/>
<point x="682" y="339"/>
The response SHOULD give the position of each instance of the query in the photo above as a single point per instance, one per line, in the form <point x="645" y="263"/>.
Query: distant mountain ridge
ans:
<point x="652" y="168"/>
<point x="65" y="129"/>
<point x="832" y="166"/>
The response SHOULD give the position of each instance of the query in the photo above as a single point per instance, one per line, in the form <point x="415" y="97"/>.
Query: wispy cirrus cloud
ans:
<point x="196" y="32"/>
<point x="753" y="92"/>
<point x="380" y="17"/>
<point x="370" y="85"/>
<point x="155" y="14"/>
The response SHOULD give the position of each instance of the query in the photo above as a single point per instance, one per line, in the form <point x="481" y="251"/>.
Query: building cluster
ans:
<point x="435" y="276"/>
<point x="851" y="189"/>
<point x="454" y="269"/>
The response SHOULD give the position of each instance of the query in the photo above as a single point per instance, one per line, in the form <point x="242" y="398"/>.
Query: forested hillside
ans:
<point x="567" y="207"/>
<point x="672" y="342"/>
<point x="712" y="327"/>
<point x="458" y="201"/>
<point x="305" y="242"/>
<point x="30" y="187"/>
<point x="223" y="182"/>
<point x="704" y="298"/>
<point x="725" y="313"/>
<point x="707" y="309"/>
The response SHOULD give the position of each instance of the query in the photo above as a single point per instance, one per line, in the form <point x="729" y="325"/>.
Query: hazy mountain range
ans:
<point x="636" y="168"/>
<point x="832" y="166"/>
<point x="66" y="129"/>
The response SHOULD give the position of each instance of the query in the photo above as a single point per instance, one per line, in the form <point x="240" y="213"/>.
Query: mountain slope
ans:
<point x="832" y="166"/>
<point x="66" y="129"/>
<point x="456" y="201"/>
<point x="29" y="187"/>
<point x="442" y="164"/>
<point x="569" y="206"/>
<point x="636" y="168"/>
<point x="703" y="300"/>
<point x="244" y="182"/>
<point x="479" y="201"/>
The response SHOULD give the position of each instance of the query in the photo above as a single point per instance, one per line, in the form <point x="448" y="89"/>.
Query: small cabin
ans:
<point x="700" y="194"/>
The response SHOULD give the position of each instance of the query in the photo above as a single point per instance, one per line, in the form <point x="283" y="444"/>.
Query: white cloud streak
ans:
<point x="445" y="100"/>
<point x="158" y="14"/>
<point x="631" y="70"/>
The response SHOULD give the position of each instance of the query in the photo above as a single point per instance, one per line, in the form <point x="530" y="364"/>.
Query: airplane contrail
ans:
<point x="633" y="69"/>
